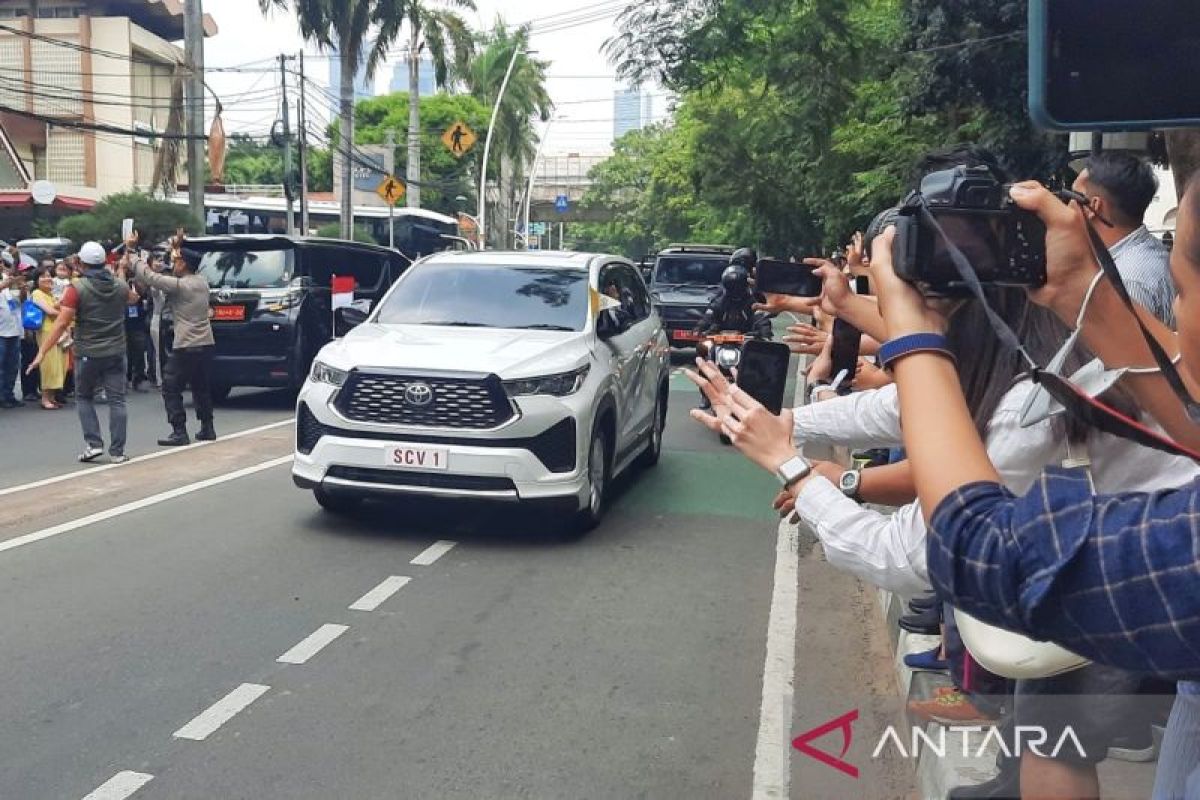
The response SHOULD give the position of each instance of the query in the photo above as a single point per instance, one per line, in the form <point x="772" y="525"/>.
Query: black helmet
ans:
<point x="746" y="257"/>
<point x="735" y="280"/>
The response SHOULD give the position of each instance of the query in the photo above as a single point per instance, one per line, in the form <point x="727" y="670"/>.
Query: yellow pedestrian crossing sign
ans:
<point x="390" y="190"/>
<point x="459" y="139"/>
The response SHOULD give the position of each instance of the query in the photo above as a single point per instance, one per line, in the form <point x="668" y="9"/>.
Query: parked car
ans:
<point x="519" y="377"/>
<point x="39" y="249"/>
<point x="272" y="306"/>
<point x="684" y="280"/>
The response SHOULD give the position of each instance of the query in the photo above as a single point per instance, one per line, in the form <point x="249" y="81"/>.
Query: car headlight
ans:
<point x="728" y="357"/>
<point x="559" y="385"/>
<point x="323" y="373"/>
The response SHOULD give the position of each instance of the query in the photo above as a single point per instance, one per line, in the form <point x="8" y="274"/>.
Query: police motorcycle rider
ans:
<point x="732" y="307"/>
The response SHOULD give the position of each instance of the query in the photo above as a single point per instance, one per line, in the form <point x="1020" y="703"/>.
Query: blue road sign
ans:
<point x="561" y="204"/>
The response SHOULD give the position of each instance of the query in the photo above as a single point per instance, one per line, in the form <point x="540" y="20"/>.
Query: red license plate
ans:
<point x="229" y="313"/>
<point x="685" y="336"/>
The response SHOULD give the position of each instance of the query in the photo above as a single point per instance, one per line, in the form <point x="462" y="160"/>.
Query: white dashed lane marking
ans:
<point x="380" y="594"/>
<point x="221" y="712"/>
<point x="314" y="643"/>
<point x="120" y="786"/>
<point x="433" y="553"/>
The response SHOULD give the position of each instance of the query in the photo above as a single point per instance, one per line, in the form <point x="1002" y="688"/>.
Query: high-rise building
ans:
<point x="363" y="89"/>
<point x="426" y="84"/>
<point x="633" y="109"/>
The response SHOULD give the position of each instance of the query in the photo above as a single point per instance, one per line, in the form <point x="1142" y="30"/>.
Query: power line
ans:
<point x="56" y="122"/>
<point x="79" y="47"/>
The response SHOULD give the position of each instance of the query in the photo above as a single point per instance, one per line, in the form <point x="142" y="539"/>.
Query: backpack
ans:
<point x="32" y="316"/>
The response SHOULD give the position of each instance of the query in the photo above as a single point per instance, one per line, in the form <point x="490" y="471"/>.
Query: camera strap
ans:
<point x="1077" y="402"/>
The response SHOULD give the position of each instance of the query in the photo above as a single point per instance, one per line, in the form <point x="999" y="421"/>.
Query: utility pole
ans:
<point x="302" y="122"/>
<point x="389" y="166"/>
<point x="193" y="55"/>
<point x="481" y="217"/>
<point x="413" y="166"/>
<point x="287" y="146"/>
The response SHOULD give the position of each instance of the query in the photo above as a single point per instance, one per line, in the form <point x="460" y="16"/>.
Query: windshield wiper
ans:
<point x="456" y="324"/>
<point x="543" y="326"/>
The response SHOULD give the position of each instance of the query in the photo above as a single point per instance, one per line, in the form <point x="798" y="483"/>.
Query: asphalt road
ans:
<point x="39" y="444"/>
<point x="627" y="663"/>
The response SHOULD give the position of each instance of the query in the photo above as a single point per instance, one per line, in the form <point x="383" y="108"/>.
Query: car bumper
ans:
<point x="352" y="459"/>
<point x="267" y="371"/>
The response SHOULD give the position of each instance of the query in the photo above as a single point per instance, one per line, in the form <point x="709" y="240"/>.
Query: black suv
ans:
<point x="272" y="302"/>
<point x="684" y="281"/>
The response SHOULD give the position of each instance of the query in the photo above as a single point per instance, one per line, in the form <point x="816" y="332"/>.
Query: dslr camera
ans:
<point x="1005" y="244"/>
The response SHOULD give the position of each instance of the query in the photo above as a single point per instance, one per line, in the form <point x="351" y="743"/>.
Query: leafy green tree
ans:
<point x="445" y="33"/>
<point x="443" y="176"/>
<point x="362" y="31"/>
<point x="156" y="220"/>
<point x="251" y="161"/>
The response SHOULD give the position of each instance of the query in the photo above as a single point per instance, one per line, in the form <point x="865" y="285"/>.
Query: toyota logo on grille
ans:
<point x="418" y="394"/>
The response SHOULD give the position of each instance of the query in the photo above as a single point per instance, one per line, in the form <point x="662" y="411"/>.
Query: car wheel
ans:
<point x="336" y="503"/>
<point x="653" y="451"/>
<point x="599" y="472"/>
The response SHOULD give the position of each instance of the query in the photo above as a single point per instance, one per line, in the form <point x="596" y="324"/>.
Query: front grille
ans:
<point x="471" y="403"/>
<point x="685" y="317"/>
<point x="308" y="430"/>
<point x="424" y="480"/>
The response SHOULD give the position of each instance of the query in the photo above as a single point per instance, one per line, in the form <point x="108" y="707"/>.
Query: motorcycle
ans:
<point x="724" y="350"/>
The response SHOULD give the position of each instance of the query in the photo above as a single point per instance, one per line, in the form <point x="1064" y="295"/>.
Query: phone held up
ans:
<point x="763" y="372"/>
<point x="783" y="277"/>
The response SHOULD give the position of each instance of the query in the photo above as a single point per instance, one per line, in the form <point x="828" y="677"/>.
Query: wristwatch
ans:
<point x="792" y="471"/>
<point x="850" y="483"/>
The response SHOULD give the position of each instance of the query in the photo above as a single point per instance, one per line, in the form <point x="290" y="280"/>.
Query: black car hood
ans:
<point x="684" y="295"/>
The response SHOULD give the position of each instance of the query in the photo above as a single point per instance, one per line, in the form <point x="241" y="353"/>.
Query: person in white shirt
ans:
<point x="12" y="295"/>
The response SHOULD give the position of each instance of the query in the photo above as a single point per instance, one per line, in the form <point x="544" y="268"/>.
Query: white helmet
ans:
<point x="92" y="254"/>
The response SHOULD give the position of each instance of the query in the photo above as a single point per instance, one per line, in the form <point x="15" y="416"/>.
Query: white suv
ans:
<point x="490" y="375"/>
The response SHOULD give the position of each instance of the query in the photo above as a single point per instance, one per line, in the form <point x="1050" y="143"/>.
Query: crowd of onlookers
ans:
<point x="963" y="502"/>
<point x="42" y="284"/>
<point x="101" y="322"/>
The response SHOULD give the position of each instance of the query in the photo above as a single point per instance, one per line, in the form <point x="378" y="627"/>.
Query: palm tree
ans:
<point x="439" y="27"/>
<point x="344" y="25"/>
<point x="525" y="100"/>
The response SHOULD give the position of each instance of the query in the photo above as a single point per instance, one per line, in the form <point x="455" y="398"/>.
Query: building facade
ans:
<point x="426" y="83"/>
<point x="66" y="65"/>
<point x="633" y="109"/>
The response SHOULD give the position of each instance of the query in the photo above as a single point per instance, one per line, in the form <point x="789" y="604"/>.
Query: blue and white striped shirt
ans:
<point x="1145" y="266"/>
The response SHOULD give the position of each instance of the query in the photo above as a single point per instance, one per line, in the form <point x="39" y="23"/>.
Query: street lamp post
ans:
<point x="533" y="176"/>
<point x="487" y="147"/>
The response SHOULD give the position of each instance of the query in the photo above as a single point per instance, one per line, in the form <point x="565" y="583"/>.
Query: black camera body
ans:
<point x="1005" y="244"/>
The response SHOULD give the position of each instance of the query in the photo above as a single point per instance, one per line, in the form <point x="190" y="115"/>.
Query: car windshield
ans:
<point x="243" y="269"/>
<point x="690" y="270"/>
<point x="489" y="296"/>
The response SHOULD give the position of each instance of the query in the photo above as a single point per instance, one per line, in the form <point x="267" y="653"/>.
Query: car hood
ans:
<point x="507" y="353"/>
<point x="684" y="295"/>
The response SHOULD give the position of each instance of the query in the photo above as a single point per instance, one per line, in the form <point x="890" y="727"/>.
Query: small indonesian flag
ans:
<point x="343" y="291"/>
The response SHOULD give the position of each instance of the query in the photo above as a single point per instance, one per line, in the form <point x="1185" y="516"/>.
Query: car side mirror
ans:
<point x="347" y="318"/>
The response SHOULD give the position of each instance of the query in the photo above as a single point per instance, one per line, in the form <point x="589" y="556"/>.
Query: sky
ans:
<point x="581" y="81"/>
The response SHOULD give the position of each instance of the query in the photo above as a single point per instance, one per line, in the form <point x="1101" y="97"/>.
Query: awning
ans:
<point x="63" y="203"/>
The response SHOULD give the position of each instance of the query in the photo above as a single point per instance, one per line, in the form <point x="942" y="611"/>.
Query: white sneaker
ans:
<point x="90" y="454"/>
<point x="121" y="459"/>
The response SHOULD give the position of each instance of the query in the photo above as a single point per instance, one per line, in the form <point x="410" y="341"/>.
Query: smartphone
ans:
<point x="784" y="277"/>
<point x="126" y="229"/>
<point x="846" y="339"/>
<point x="763" y="372"/>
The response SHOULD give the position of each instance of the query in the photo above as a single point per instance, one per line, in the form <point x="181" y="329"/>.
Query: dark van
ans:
<point x="271" y="299"/>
